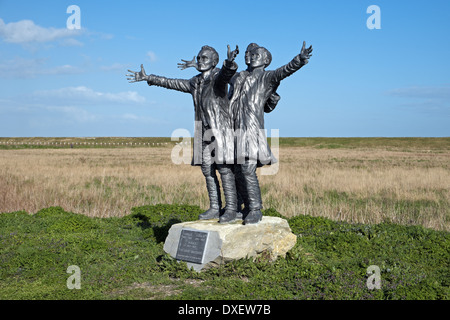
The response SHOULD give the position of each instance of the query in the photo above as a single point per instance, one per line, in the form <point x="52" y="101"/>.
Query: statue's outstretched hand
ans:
<point x="188" y="64"/>
<point x="305" y="54"/>
<point x="137" y="76"/>
<point x="231" y="55"/>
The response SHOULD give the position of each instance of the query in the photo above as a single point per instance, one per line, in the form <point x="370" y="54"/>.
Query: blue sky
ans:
<point x="388" y="82"/>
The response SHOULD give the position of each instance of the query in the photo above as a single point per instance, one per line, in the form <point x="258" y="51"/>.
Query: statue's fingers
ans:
<point x="131" y="71"/>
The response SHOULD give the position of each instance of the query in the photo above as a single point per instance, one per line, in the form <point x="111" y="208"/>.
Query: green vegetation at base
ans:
<point x="123" y="258"/>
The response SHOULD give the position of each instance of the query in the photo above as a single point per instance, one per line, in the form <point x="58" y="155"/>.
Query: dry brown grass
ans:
<point x="368" y="186"/>
<point x="356" y="185"/>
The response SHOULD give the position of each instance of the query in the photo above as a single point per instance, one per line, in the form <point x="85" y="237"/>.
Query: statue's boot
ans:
<point x="254" y="198"/>
<point x="229" y="190"/>
<point x="215" y="202"/>
<point x="242" y="196"/>
<point x="253" y="217"/>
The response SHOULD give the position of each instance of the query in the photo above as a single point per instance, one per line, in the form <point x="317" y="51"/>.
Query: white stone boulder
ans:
<point x="226" y="242"/>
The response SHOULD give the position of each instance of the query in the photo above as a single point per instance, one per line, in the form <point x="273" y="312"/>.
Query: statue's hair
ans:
<point x="214" y="52"/>
<point x="252" y="46"/>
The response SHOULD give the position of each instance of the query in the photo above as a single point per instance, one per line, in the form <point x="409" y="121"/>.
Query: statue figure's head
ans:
<point x="207" y="58"/>
<point x="260" y="56"/>
<point x="248" y="51"/>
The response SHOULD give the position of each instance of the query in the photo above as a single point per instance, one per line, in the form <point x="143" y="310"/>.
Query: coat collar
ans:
<point x="201" y="78"/>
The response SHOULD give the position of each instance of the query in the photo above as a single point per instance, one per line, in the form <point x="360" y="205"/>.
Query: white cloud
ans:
<point x="70" y="42"/>
<point x="436" y="92"/>
<point x="114" y="67"/>
<point x="29" y="68"/>
<point x="152" y="56"/>
<point x="64" y="69"/>
<point x="130" y="116"/>
<point x="26" y="31"/>
<point x="430" y="99"/>
<point x="23" y="68"/>
<point x="82" y="94"/>
<point x="136" y="119"/>
<point x="74" y="114"/>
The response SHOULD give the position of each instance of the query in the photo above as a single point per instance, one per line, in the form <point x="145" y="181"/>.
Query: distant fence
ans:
<point x="86" y="143"/>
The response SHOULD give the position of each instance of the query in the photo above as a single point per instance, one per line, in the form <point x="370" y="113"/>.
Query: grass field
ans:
<point x="363" y="180"/>
<point x="106" y="208"/>
<point x="122" y="258"/>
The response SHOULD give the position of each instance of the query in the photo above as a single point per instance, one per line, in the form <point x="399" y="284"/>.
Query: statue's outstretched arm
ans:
<point x="188" y="64"/>
<point x="227" y="72"/>
<point x="135" y="76"/>
<point x="294" y="65"/>
<point x="305" y="54"/>
<point x="153" y="80"/>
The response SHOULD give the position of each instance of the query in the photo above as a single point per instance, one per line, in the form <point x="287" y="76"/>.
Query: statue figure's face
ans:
<point x="247" y="57"/>
<point x="258" y="58"/>
<point x="248" y="52"/>
<point x="205" y="60"/>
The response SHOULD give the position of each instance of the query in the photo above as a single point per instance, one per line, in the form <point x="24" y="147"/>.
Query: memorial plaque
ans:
<point x="191" y="245"/>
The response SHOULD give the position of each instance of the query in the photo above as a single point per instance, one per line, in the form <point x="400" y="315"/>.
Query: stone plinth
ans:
<point x="233" y="241"/>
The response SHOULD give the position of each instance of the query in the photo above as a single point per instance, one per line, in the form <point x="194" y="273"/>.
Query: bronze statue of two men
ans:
<point x="229" y="123"/>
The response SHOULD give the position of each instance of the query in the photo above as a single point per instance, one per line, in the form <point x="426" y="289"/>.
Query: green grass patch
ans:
<point x="403" y="144"/>
<point x="123" y="258"/>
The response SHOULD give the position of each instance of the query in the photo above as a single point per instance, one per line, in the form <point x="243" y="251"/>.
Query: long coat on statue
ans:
<point x="213" y="117"/>
<point x="249" y="94"/>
